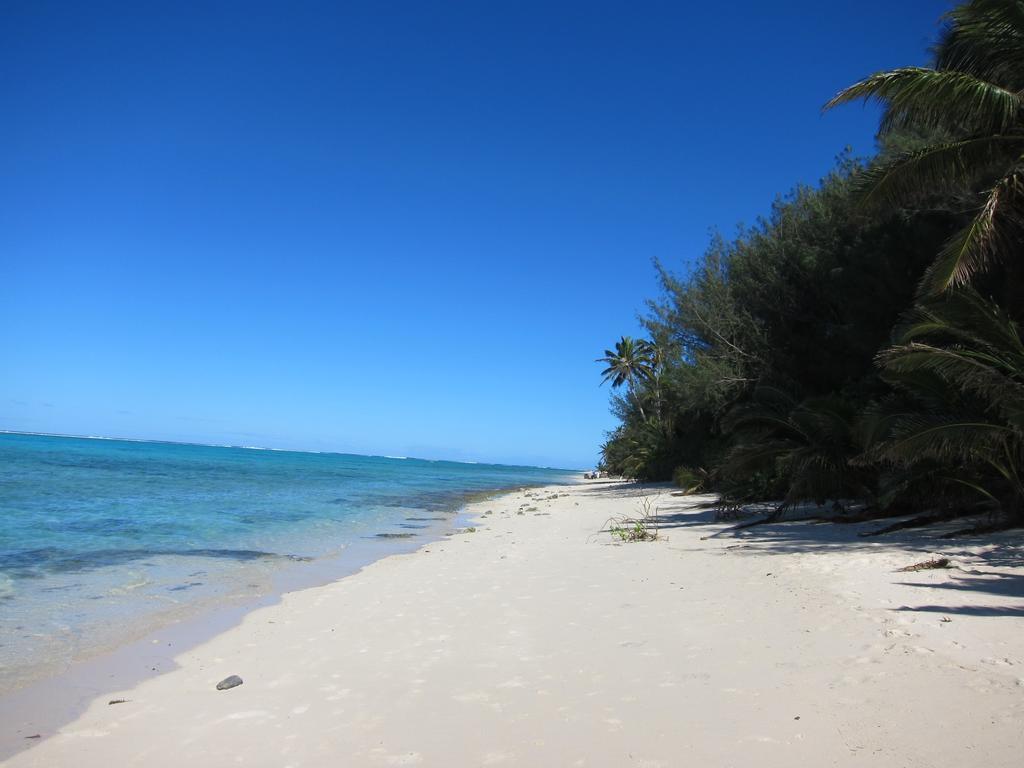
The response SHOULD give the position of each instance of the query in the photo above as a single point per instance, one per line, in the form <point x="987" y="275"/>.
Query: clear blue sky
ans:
<point x="387" y="227"/>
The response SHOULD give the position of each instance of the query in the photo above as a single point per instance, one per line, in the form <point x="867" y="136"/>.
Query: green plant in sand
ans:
<point x="643" y="527"/>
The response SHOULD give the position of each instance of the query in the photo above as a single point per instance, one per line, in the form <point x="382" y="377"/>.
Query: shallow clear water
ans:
<point x="103" y="539"/>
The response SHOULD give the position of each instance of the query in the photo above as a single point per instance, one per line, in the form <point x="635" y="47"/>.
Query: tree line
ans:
<point x="861" y="346"/>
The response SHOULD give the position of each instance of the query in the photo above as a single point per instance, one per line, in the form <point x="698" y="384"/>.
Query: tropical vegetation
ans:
<point x="860" y="348"/>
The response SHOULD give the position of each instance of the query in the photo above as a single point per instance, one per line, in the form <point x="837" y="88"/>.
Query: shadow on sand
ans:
<point x="1004" y="550"/>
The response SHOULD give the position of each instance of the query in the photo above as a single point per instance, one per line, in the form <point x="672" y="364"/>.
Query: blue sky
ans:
<point x="388" y="227"/>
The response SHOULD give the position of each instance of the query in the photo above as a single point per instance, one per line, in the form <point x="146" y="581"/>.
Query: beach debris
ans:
<point x="229" y="682"/>
<point x="118" y="701"/>
<point x="730" y="513"/>
<point x="35" y="736"/>
<point x="927" y="565"/>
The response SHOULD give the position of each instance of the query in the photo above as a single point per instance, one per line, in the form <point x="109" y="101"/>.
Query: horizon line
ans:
<point x="278" y="450"/>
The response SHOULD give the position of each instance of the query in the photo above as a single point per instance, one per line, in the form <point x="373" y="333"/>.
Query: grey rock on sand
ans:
<point x="229" y="682"/>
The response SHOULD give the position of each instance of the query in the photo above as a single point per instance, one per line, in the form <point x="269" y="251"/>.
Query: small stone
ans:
<point x="229" y="682"/>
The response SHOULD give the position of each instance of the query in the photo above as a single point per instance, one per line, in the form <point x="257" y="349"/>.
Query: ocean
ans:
<point x="104" y="540"/>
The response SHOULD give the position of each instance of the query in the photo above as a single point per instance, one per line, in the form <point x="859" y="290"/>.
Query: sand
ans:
<point x="536" y="640"/>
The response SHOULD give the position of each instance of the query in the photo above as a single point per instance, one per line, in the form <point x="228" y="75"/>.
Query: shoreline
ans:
<point x="131" y="536"/>
<point x="537" y="639"/>
<point x="47" y="702"/>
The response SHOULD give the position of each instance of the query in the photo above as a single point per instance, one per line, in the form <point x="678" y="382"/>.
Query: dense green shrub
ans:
<point x="832" y="351"/>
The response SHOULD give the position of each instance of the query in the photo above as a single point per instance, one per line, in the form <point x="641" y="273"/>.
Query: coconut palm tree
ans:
<point x="630" y="364"/>
<point x="973" y="97"/>
<point x="658" y="360"/>
<point x="962" y="358"/>
<point x="804" y="446"/>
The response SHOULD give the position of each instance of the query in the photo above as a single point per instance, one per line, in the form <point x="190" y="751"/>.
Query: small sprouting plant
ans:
<point x="644" y="527"/>
<point x="637" y="531"/>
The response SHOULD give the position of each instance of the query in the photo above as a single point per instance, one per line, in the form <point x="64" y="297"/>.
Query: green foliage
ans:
<point x="961" y="361"/>
<point x="634" y="530"/>
<point x="689" y="480"/>
<point x="643" y="527"/>
<point x="804" y="300"/>
<point x="973" y="95"/>
<point x="763" y="362"/>
<point x="807" y="447"/>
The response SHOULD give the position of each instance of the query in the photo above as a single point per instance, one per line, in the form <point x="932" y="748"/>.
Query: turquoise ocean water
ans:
<point x="101" y="539"/>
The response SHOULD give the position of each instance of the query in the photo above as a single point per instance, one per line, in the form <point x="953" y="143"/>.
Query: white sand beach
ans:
<point x="536" y="640"/>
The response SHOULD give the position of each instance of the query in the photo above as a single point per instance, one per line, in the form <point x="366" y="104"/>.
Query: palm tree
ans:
<point x="630" y="364"/>
<point x="807" y="446"/>
<point x="963" y="357"/>
<point x="973" y="97"/>
<point x="657" y="358"/>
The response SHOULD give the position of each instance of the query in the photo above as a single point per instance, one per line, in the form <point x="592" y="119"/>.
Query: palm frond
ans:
<point x="936" y="167"/>
<point x="805" y="446"/>
<point x="748" y="457"/>
<point x="966" y="344"/>
<point x="995" y="232"/>
<point x="923" y="97"/>
<point x="980" y="375"/>
<point x="941" y="437"/>
<point x="768" y="409"/>
<point x="986" y="39"/>
<point x="966" y="317"/>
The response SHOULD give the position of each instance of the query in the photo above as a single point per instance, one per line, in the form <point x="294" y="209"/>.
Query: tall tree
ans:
<point x="630" y="364"/>
<point x="973" y="98"/>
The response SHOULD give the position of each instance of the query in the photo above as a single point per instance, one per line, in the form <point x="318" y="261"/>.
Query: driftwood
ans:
<point x="927" y="565"/>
